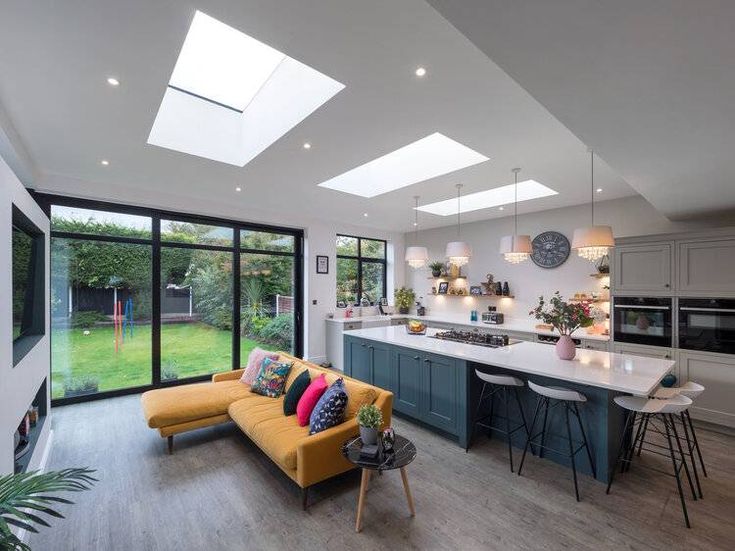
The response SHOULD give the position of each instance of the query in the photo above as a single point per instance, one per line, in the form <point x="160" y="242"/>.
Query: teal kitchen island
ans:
<point x="434" y="382"/>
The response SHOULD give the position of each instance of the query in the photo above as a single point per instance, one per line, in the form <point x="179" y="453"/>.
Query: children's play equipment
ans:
<point x="123" y="321"/>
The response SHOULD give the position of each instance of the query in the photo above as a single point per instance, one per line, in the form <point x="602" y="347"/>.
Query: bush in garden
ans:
<point x="279" y="331"/>
<point x="86" y="319"/>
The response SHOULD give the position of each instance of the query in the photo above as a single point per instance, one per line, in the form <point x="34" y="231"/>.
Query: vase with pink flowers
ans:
<point x="565" y="317"/>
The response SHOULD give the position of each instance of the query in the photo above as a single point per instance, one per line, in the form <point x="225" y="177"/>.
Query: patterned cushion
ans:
<point x="255" y="362"/>
<point x="330" y="409"/>
<point x="295" y="391"/>
<point x="271" y="379"/>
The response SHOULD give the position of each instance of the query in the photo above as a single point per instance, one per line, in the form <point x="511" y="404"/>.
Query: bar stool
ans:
<point x="551" y="397"/>
<point x="501" y="385"/>
<point x="650" y="409"/>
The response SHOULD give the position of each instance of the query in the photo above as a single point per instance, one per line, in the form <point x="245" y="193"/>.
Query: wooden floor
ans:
<point x="219" y="492"/>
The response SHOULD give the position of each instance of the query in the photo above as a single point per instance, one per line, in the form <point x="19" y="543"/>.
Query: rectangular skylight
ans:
<point x="231" y="96"/>
<point x="429" y="157"/>
<point x="503" y="195"/>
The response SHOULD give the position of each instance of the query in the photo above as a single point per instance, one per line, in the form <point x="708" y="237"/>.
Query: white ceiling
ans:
<point x="649" y="83"/>
<point x="55" y="57"/>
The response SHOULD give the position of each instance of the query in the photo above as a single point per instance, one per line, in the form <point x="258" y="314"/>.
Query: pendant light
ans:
<point x="515" y="248"/>
<point x="593" y="242"/>
<point x="458" y="252"/>
<point x="416" y="256"/>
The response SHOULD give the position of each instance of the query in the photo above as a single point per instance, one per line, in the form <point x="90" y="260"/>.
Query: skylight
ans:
<point x="429" y="157"/>
<point x="503" y="195"/>
<point x="231" y="96"/>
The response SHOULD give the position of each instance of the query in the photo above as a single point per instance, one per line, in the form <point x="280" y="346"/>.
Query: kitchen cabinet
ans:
<point x="643" y="269"/>
<point x="717" y="373"/>
<point x="706" y="267"/>
<point x="439" y="407"/>
<point x="659" y="352"/>
<point x="368" y="361"/>
<point x="335" y="340"/>
<point x="399" y="321"/>
<point x="407" y="365"/>
<point x="591" y="344"/>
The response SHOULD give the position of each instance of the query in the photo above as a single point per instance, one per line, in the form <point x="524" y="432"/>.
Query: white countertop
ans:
<point x="511" y="324"/>
<point x="637" y="375"/>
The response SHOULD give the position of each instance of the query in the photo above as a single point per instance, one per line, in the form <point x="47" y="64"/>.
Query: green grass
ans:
<point x="190" y="349"/>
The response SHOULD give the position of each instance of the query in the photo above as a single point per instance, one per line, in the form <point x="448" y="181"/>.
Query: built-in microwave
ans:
<point x="707" y="324"/>
<point x="642" y="320"/>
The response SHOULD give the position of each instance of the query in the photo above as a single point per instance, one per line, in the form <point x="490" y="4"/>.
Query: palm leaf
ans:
<point x="25" y="497"/>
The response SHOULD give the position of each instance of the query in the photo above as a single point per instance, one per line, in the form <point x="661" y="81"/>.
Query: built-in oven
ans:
<point x="707" y="324"/>
<point x="642" y="320"/>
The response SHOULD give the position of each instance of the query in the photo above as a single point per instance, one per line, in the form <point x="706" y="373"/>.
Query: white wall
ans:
<point x="19" y="384"/>
<point x="628" y="217"/>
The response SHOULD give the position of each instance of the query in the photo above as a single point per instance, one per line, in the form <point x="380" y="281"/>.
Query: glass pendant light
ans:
<point x="593" y="242"/>
<point x="458" y="252"/>
<point x="416" y="256"/>
<point x="515" y="248"/>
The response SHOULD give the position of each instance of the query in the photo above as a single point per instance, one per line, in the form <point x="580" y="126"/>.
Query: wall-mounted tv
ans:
<point x="28" y="293"/>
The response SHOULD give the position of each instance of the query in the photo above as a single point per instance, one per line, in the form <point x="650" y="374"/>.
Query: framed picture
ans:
<point x="443" y="287"/>
<point x="475" y="290"/>
<point x="322" y="264"/>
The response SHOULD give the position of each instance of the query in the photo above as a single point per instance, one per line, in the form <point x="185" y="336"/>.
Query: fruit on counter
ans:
<point x="416" y="326"/>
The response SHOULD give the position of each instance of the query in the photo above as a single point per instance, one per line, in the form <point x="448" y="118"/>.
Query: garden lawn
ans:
<point x="187" y="349"/>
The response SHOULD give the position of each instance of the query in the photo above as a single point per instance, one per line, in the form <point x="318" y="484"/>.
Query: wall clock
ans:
<point x="550" y="249"/>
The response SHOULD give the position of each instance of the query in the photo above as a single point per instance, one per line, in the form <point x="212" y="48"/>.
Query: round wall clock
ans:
<point x="550" y="249"/>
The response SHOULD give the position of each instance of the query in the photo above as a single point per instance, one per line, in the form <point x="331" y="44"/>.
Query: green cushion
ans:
<point x="298" y="387"/>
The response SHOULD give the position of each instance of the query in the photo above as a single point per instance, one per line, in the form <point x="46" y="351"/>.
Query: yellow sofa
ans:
<point x="306" y="459"/>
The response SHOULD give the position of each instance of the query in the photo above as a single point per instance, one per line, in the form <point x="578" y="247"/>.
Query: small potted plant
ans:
<point x="566" y="318"/>
<point x="369" y="418"/>
<point x="405" y="297"/>
<point x="436" y="268"/>
<point x="81" y="386"/>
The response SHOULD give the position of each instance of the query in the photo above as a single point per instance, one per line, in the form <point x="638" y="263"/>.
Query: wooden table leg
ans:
<point x="361" y="500"/>
<point x="404" y="476"/>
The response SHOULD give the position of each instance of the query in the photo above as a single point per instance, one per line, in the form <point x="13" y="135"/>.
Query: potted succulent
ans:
<point x="405" y="297"/>
<point x="369" y="419"/>
<point x="436" y="268"/>
<point x="565" y="317"/>
<point x="81" y="386"/>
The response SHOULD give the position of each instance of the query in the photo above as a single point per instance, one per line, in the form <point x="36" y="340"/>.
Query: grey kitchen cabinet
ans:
<point x="644" y="350"/>
<point x="706" y="267"/>
<point x="592" y="344"/>
<point x="399" y="321"/>
<point x="335" y="340"/>
<point x="643" y="269"/>
<point x="717" y="373"/>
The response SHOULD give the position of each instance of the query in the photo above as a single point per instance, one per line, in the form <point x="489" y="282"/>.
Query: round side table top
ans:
<point x="403" y="453"/>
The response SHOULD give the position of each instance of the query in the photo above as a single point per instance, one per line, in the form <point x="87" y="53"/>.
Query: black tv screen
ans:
<point x="22" y="284"/>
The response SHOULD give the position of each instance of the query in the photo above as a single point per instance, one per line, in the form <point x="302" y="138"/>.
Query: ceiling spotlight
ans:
<point x="599" y="190"/>
<point x="112" y="81"/>
<point x="501" y="208"/>
<point x="105" y="162"/>
<point x="365" y="214"/>
<point x="238" y="188"/>
<point x="415" y="223"/>
<point x="420" y="72"/>
<point x="307" y="145"/>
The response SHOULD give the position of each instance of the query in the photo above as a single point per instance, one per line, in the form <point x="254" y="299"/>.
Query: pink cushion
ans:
<point x="309" y="399"/>
<point x="255" y="360"/>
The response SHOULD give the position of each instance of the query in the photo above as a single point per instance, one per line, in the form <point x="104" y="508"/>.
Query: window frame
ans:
<point x="46" y="200"/>
<point x="367" y="260"/>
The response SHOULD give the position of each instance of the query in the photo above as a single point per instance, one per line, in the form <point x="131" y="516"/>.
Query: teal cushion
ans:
<point x="294" y="393"/>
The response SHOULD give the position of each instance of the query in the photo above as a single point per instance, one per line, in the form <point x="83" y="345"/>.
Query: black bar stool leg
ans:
<point x="530" y="434"/>
<point x="475" y="417"/>
<point x="683" y="457"/>
<point x="523" y="415"/>
<point x="621" y="449"/>
<point x="690" y="449"/>
<point x="646" y="416"/>
<point x="507" y="427"/>
<point x="696" y="443"/>
<point x="492" y="412"/>
<point x="543" y="427"/>
<point x="584" y="440"/>
<point x="631" y="448"/>
<point x="571" y="450"/>
<point x="676" y="474"/>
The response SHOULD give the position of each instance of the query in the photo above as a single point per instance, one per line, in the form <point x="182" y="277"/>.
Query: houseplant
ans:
<point x="436" y="268"/>
<point x="81" y="386"/>
<point x="405" y="298"/>
<point x="369" y="418"/>
<point x="565" y="317"/>
<point x="24" y="497"/>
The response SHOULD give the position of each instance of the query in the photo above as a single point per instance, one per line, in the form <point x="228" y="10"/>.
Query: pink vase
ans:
<point x="565" y="348"/>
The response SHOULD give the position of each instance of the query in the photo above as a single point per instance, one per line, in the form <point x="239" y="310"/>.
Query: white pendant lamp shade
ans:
<point x="417" y="257"/>
<point x="593" y="242"/>
<point x="458" y="253"/>
<point x="515" y="248"/>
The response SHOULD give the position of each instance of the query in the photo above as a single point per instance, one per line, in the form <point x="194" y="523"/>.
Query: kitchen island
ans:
<point x="434" y="382"/>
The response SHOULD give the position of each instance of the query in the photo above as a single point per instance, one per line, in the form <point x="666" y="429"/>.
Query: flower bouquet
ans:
<point x="565" y="317"/>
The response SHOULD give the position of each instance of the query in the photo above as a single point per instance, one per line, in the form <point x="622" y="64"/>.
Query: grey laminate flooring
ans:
<point x="218" y="491"/>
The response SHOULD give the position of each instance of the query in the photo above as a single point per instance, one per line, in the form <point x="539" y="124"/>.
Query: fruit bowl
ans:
<point x="414" y="327"/>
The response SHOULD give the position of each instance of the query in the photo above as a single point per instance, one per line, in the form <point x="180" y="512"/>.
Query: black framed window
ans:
<point x="143" y="298"/>
<point x="361" y="269"/>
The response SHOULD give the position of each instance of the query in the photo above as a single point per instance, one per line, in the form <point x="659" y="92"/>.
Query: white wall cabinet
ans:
<point x="707" y="268"/>
<point x="335" y="340"/>
<point x="643" y="269"/>
<point x="717" y="373"/>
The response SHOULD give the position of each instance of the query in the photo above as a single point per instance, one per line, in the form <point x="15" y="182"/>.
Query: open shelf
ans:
<point x="448" y="278"/>
<point x="469" y="295"/>
<point x="599" y="275"/>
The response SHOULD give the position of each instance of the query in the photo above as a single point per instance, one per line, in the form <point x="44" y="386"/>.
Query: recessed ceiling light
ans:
<point x="527" y="190"/>
<point x="429" y="157"/>
<point x="112" y="81"/>
<point x="231" y="96"/>
<point x="307" y="145"/>
<point x="415" y="223"/>
<point x="105" y="162"/>
<point x="420" y="71"/>
<point x="501" y="208"/>
<point x="365" y="214"/>
<point x="238" y="188"/>
<point x="599" y="190"/>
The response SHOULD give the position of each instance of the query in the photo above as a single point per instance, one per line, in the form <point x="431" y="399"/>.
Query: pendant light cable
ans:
<point x="592" y="183"/>
<point x="459" y="211"/>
